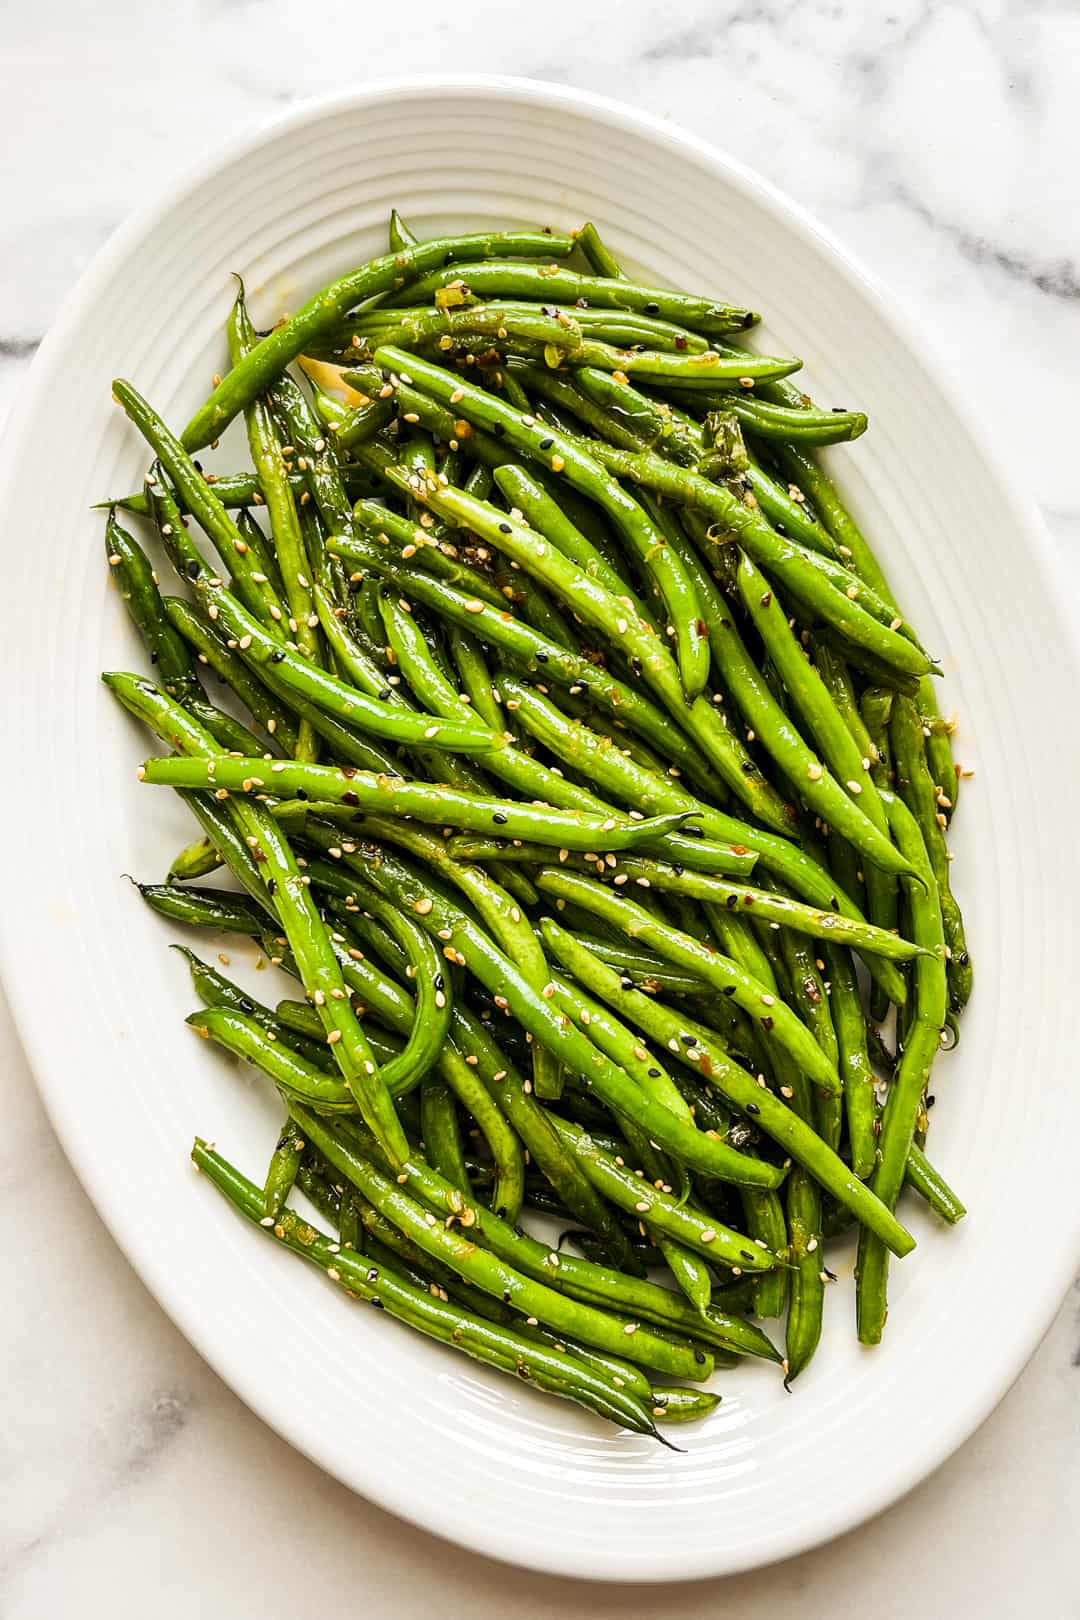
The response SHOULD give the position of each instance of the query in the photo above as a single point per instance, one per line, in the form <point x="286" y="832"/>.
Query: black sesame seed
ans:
<point x="732" y="901"/>
<point x="192" y="569"/>
<point x="752" y="1108"/>
<point x="498" y="818"/>
<point x="652" y="308"/>
<point x="699" y="1355"/>
<point x="498" y="428"/>
<point x="546" y="444"/>
<point x="387" y="692"/>
<point x="542" y="656"/>
<point x="748" y="320"/>
<point x="504" y="528"/>
<point x="654" y="1074"/>
<point x="277" y="657"/>
<point x="271" y="885"/>
<point x="301" y="793"/>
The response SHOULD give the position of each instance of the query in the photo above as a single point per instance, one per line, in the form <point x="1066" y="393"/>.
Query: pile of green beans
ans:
<point x="552" y="728"/>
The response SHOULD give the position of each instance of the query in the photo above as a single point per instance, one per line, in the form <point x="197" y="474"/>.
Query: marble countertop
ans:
<point x="939" y="141"/>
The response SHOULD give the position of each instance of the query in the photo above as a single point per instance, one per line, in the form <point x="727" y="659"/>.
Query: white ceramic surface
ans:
<point x="463" y="1454"/>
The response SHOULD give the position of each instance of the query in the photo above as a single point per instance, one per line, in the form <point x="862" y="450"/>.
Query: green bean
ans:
<point x="631" y="420"/>
<point x="315" y="459"/>
<point x="868" y="831"/>
<point x="417" y="548"/>
<point x="856" y="1071"/>
<point x="203" y="908"/>
<point x="264" y="443"/>
<point x="304" y="928"/>
<point x="678" y="1404"/>
<point x="412" y="656"/>
<point x="809" y="997"/>
<point x="339" y="699"/>
<point x="215" y="990"/>
<point x="529" y="1122"/>
<point x="282" y="1172"/>
<point x="916" y="787"/>
<point x="551" y="284"/>
<point x="356" y="424"/>
<point x="212" y="648"/>
<point x="221" y="828"/>
<point x="808" y="1277"/>
<point x="622" y="1046"/>
<point x="413" y="327"/>
<point x="763" y="1213"/>
<point x="558" y="1374"/>
<point x="258" y="368"/>
<point x="523" y="643"/>
<point x="601" y="262"/>
<point x="820" y="585"/>
<point x="441" y="1129"/>
<point x="399" y="233"/>
<point x="909" y="1083"/>
<point x="352" y="656"/>
<point x="689" y="1227"/>
<point x="930" y="1184"/>
<point x="138" y="589"/>
<point x="195" y="860"/>
<point x="774" y="1018"/>
<point x="485" y="1268"/>
<point x="801" y="426"/>
<point x="768" y="905"/>
<point x="706" y="1057"/>
<point x="863" y="562"/>
<point x="567" y="457"/>
<point x="364" y="791"/>
<point x="508" y="1187"/>
<point x="241" y="1035"/>
<point x="648" y="970"/>
<point x="611" y="1084"/>
<point x="593" y="603"/>
<point x="545" y="516"/>
<point x="597" y="1284"/>
<point x="202" y="502"/>
<point x="239" y="489"/>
